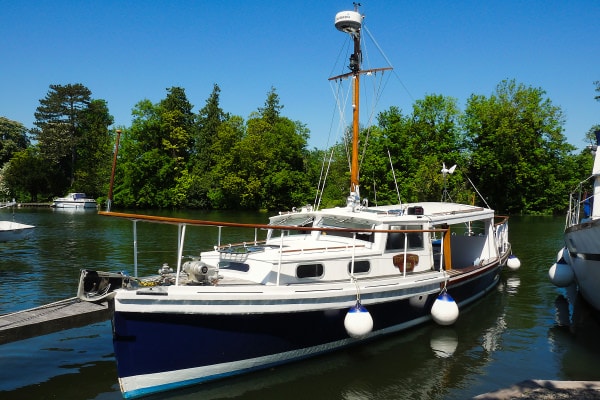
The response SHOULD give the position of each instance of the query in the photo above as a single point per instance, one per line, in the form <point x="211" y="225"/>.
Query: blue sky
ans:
<point x="126" y="51"/>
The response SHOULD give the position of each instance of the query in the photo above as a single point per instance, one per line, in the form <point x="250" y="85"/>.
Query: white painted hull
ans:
<point x="75" y="201"/>
<point x="76" y="205"/>
<point x="583" y="242"/>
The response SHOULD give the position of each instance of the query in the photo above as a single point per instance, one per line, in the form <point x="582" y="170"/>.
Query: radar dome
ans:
<point x="348" y="21"/>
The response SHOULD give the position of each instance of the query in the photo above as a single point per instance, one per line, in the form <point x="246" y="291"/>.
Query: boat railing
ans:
<point x="243" y="247"/>
<point x="304" y="250"/>
<point x="579" y="199"/>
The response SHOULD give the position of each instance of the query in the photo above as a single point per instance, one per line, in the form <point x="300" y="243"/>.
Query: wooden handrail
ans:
<point x="197" y="222"/>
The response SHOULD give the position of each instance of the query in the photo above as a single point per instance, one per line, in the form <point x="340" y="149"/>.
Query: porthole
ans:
<point x="309" y="271"/>
<point x="360" y="267"/>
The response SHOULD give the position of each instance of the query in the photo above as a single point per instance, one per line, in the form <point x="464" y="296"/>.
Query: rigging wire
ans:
<point x="341" y="103"/>
<point x="324" y="172"/>
<point x="394" y="174"/>
<point x="389" y="62"/>
<point x="342" y="120"/>
<point x="325" y="179"/>
<point x="480" y="196"/>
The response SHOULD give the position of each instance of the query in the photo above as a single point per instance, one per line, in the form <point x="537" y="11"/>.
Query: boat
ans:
<point x="579" y="260"/>
<point x="11" y="230"/>
<point x="308" y="282"/>
<point x="75" y="201"/>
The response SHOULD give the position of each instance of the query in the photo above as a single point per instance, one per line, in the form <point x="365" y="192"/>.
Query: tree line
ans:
<point x="509" y="145"/>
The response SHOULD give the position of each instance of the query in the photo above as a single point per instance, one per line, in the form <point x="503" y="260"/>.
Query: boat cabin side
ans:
<point x="312" y="246"/>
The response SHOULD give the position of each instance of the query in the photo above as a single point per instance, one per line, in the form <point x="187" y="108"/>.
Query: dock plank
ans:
<point x="50" y="318"/>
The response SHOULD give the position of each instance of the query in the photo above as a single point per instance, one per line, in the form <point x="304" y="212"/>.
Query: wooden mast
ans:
<point x="355" y="61"/>
<point x="351" y="22"/>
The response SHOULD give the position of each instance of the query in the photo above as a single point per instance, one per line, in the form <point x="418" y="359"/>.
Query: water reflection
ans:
<point x="525" y="329"/>
<point x="574" y="337"/>
<point x="512" y="285"/>
<point x="444" y="341"/>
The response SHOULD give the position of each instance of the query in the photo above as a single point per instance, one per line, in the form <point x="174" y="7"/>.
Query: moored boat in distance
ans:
<point x="310" y="281"/>
<point x="579" y="260"/>
<point x="75" y="201"/>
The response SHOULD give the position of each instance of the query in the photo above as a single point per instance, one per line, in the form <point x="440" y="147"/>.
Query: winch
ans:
<point x="201" y="272"/>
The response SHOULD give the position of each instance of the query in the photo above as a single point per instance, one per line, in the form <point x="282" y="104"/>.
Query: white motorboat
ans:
<point x="318" y="281"/>
<point x="579" y="260"/>
<point x="75" y="201"/>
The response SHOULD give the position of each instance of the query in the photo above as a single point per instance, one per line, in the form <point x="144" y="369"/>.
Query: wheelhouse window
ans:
<point x="396" y="240"/>
<point x="309" y="271"/>
<point x="360" y="267"/>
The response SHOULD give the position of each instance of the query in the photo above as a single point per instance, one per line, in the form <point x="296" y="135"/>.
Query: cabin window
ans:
<point x="236" y="266"/>
<point x="395" y="240"/>
<point x="360" y="267"/>
<point x="309" y="271"/>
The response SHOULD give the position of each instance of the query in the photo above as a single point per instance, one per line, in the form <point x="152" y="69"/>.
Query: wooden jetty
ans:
<point x="29" y="205"/>
<point x="53" y="317"/>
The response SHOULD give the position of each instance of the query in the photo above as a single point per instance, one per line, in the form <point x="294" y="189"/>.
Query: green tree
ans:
<point x="437" y="140"/>
<point x="209" y="119"/>
<point x="273" y="152"/>
<point x="178" y="128"/>
<point x="203" y="159"/>
<point x="155" y="152"/>
<point x="92" y="169"/>
<point x="261" y="164"/>
<point x="13" y="138"/>
<point x="140" y="160"/>
<point x="271" y="111"/>
<point x="224" y="178"/>
<point x="416" y="145"/>
<point x="590" y="136"/>
<point x="58" y="123"/>
<point x="28" y="175"/>
<point x="177" y="125"/>
<point x="517" y="149"/>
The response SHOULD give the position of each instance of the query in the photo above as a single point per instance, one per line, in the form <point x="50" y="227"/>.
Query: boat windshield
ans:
<point x="348" y="223"/>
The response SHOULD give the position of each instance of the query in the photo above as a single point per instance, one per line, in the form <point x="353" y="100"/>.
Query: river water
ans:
<point x="526" y="329"/>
